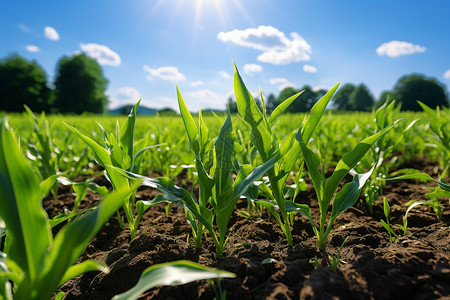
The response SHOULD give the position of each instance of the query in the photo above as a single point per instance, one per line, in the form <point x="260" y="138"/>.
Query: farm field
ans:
<point x="296" y="206"/>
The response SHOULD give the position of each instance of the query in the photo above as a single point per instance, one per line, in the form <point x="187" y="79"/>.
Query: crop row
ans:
<point x="262" y="158"/>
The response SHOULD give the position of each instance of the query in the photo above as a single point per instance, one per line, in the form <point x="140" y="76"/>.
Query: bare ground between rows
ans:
<point x="415" y="267"/>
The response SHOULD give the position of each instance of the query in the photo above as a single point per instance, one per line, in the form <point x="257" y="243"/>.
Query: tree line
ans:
<point x="79" y="86"/>
<point x="350" y="97"/>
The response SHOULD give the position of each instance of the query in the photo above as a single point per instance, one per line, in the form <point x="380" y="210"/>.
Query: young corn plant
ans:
<point x="119" y="151"/>
<point x="268" y="147"/>
<point x="439" y="122"/>
<point x="218" y="192"/>
<point x="326" y="187"/>
<point x="33" y="263"/>
<point x="43" y="153"/>
<point x="214" y="162"/>
<point x="387" y="224"/>
<point x="382" y="152"/>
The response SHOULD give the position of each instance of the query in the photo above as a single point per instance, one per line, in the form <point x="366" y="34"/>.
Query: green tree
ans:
<point x="361" y="99"/>
<point x="413" y="87"/>
<point x="165" y="112"/>
<point x="80" y="85"/>
<point x="341" y="99"/>
<point x="23" y="82"/>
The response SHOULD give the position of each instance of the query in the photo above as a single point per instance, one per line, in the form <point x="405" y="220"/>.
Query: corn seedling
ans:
<point x="387" y="224"/>
<point x="119" y="151"/>
<point x="439" y="122"/>
<point x="32" y="259"/>
<point x="214" y="162"/>
<point x="326" y="187"/>
<point x="269" y="147"/>
<point x="43" y="153"/>
<point x="335" y="259"/>
<point x="382" y="152"/>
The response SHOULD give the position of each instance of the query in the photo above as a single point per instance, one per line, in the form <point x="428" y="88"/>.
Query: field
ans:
<point x="296" y="206"/>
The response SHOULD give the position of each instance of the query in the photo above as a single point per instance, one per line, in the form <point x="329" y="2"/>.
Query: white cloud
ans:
<point x="398" y="48"/>
<point x="24" y="28"/>
<point x="197" y="83"/>
<point x="447" y="74"/>
<point x="252" y="68"/>
<point x="309" y="69"/>
<point x="124" y="95"/>
<point x="319" y="88"/>
<point x="101" y="53"/>
<point x="165" y="73"/>
<point x="207" y="99"/>
<point x="51" y="33"/>
<point x="276" y="47"/>
<point x="224" y="74"/>
<point x="32" y="48"/>
<point x="286" y="85"/>
<point x="278" y="80"/>
<point x="129" y="93"/>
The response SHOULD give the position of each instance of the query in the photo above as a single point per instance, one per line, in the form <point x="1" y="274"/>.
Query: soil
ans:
<point x="416" y="266"/>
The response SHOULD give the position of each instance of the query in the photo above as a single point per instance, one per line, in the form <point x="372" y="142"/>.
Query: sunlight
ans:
<point x="218" y="9"/>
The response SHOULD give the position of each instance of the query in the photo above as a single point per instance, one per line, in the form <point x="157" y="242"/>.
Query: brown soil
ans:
<point x="417" y="266"/>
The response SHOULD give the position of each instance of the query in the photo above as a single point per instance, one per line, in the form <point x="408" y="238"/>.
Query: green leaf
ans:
<point x="189" y="123"/>
<point x="386" y="208"/>
<point x="242" y="186"/>
<point x="434" y="120"/>
<point x="127" y="138"/>
<point x="316" y="114"/>
<point x="349" y="193"/>
<point x="60" y="296"/>
<point x="260" y="135"/>
<point x="425" y="177"/>
<point x="47" y="184"/>
<point x="103" y="158"/>
<point x="349" y="160"/>
<point x="83" y="267"/>
<point x="282" y="107"/>
<point x="271" y="205"/>
<point x="173" y="273"/>
<point x="66" y="216"/>
<point x="29" y="234"/>
<point x="245" y="103"/>
<point x="204" y="133"/>
<point x="303" y="209"/>
<point x="224" y="149"/>
<point x="313" y="164"/>
<point x="69" y="244"/>
<point x="116" y="152"/>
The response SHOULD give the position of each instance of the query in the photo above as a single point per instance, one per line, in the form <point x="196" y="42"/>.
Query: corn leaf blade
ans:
<point x="173" y="273"/>
<point x="29" y="234"/>
<point x="349" y="160"/>
<point x="349" y="194"/>
<point x="282" y="107"/>
<point x="127" y="138"/>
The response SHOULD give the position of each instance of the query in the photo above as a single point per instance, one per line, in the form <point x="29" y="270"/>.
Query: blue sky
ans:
<point x="146" y="47"/>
